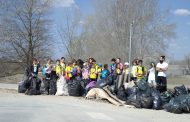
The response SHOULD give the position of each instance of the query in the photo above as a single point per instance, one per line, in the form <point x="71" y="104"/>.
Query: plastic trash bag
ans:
<point x="135" y="100"/>
<point x="142" y="84"/>
<point x="75" y="88"/>
<point x="166" y="97"/>
<point x="179" y="104"/>
<point x="32" y="91"/>
<point x="62" y="87"/>
<point x="132" y="90"/>
<point x="52" y="87"/>
<point x="90" y="85"/>
<point x="179" y="90"/>
<point x="121" y="94"/>
<point x="157" y="102"/>
<point x="101" y="83"/>
<point x="22" y="87"/>
<point x="146" y="100"/>
<point x="42" y="88"/>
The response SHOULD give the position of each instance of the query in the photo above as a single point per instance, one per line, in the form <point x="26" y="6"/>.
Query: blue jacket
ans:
<point x="105" y="73"/>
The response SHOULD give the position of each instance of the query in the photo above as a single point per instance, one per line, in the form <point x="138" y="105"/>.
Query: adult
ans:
<point x="162" y="68"/>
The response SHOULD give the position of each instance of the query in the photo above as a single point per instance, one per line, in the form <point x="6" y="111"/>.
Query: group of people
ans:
<point x="119" y="73"/>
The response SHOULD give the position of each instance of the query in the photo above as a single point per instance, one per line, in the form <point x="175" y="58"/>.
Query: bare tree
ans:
<point x="106" y="32"/>
<point x="25" y="27"/>
<point x="69" y="31"/>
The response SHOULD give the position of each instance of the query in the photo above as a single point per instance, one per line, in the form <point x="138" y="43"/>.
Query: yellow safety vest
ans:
<point x="140" y="72"/>
<point x="69" y="71"/>
<point x="58" y="69"/>
<point x="93" y="73"/>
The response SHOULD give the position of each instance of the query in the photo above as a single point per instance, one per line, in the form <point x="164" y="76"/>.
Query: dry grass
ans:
<point x="172" y="80"/>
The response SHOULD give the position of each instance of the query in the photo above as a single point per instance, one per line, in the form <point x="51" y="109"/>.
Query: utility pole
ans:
<point x="130" y="45"/>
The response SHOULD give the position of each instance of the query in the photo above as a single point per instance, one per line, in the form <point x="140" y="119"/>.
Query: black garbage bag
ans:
<point x="142" y="84"/>
<point x="45" y="86"/>
<point x="22" y="86"/>
<point x="185" y="103"/>
<point x="32" y="91"/>
<point x="166" y="97"/>
<point x="35" y="83"/>
<point x="132" y="90"/>
<point x="179" y="90"/>
<point x="121" y="94"/>
<point x="52" y="87"/>
<point x="157" y="102"/>
<point x="146" y="100"/>
<point x="179" y="104"/>
<point x="75" y="88"/>
<point x="173" y="107"/>
<point x="101" y="83"/>
<point x="135" y="100"/>
<point x="139" y="98"/>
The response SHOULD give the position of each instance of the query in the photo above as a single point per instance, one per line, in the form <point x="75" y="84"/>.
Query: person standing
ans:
<point x="119" y="72"/>
<point x="151" y="75"/>
<point x="62" y="66"/>
<point x="162" y="68"/>
<point x="141" y="71"/>
<point x="134" y="69"/>
<point x="113" y="70"/>
<point x="126" y="72"/>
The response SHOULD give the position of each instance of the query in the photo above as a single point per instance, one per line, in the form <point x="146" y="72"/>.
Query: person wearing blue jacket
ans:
<point x="105" y="72"/>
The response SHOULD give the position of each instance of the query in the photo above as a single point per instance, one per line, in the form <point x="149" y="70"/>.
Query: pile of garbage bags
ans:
<point x="140" y="95"/>
<point x="143" y="96"/>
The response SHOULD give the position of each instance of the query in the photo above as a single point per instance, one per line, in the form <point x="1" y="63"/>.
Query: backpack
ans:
<point x="142" y="69"/>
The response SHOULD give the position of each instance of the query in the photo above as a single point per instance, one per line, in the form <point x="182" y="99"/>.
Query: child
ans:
<point x="58" y="68"/>
<point x="119" y="81"/>
<point x="32" y="79"/>
<point x="126" y="72"/>
<point x="34" y="69"/>
<point x="48" y="69"/>
<point x="68" y="71"/>
<point x="140" y="72"/>
<point x="113" y="69"/>
<point x="99" y="71"/>
<point x="105" y="72"/>
<point x="85" y="74"/>
<point x="134" y="69"/>
<point x="118" y="70"/>
<point x="93" y="73"/>
<point x="76" y="71"/>
<point x="151" y="75"/>
<point x="63" y="66"/>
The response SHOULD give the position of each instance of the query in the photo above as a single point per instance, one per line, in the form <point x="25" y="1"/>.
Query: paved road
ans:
<point x="20" y="108"/>
<point x="16" y="107"/>
<point x="8" y="86"/>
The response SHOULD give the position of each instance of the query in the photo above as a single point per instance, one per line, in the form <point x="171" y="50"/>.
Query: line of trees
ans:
<point x="25" y="28"/>
<point x="105" y="33"/>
